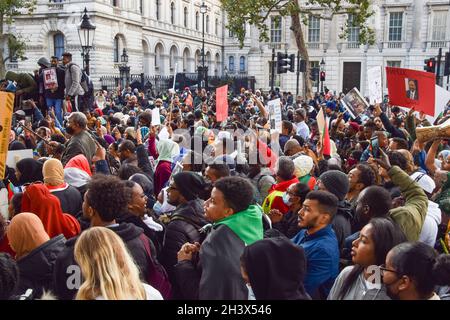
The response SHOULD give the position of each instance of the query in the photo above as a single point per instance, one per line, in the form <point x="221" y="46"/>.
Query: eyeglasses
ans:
<point x="383" y="269"/>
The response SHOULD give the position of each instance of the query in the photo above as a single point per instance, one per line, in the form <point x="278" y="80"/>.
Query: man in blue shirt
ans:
<point x="319" y="242"/>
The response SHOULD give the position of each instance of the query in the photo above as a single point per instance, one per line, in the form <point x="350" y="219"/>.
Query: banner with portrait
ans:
<point x="412" y="89"/>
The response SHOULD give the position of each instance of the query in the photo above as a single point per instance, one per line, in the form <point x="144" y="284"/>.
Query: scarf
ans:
<point x="53" y="172"/>
<point x="167" y="149"/>
<point x="25" y="233"/>
<point x="79" y="162"/>
<point x="30" y="170"/>
<point x="247" y="224"/>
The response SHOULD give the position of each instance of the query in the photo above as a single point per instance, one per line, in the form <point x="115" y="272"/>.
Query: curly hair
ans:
<point x="237" y="191"/>
<point x="108" y="196"/>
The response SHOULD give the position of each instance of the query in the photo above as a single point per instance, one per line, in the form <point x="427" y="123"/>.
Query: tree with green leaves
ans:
<point x="257" y="12"/>
<point x="14" y="43"/>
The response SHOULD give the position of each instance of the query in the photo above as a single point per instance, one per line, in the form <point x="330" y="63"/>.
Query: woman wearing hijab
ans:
<point x="38" y="200"/>
<point x="28" y="171"/>
<point x="35" y="252"/>
<point x="77" y="173"/>
<point x="163" y="154"/>
<point x="268" y="257"/>
<point x="69" y="197"/>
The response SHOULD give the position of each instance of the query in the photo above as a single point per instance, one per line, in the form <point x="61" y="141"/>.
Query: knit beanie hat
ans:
<point x="189" y="184"/>
<point x="303" y="165"/>
<point x="335" y="182"/>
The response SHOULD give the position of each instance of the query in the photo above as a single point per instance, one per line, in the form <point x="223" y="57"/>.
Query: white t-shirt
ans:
<point x="151" y="293"/>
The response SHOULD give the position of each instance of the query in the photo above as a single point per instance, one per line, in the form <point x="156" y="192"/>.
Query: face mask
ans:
<point x="70" y="130"/>
<point x="157" y="207"/>
<point x="251" y="295"/>
<point x="287" y="199"/>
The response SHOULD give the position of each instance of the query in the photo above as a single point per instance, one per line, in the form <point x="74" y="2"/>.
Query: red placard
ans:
<point x="222" y="103"/>
<point x="411" y="88"/>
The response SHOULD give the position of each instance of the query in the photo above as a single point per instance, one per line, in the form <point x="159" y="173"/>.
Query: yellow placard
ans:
<point x="6" y="111"/>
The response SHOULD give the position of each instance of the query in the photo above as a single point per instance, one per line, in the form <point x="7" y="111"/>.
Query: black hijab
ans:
<point x="30" y="171"/>
<point x="276" y="269"/>
<point x="16" y="145"/>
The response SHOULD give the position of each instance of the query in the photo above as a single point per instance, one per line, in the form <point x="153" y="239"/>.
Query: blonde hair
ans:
<point x="107" y="267"/>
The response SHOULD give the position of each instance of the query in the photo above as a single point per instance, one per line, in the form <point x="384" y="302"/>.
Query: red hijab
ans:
<point x="38" y="200"/>
<point x="80" y="162"/>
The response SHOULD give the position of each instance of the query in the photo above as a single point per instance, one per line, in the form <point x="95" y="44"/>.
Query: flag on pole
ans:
<point x="324" y="134"/>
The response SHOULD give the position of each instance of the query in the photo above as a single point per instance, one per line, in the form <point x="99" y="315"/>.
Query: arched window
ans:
<point x="207" y="24"/>
<point x="158" y="9"/>
<point x="242" y="64"/>
<point x="116" y="49"/>
<point x="172" y="13"/>
<point x="231" y="64"/>
<point x="185" y="17"/>
<point x="197" y="17"/>
<point x="216" y="27"/>
<point x="58" y="44"/>
<point x="173" y="57"/>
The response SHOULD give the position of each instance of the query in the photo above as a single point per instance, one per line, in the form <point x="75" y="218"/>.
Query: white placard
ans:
<point x="50" y="79"/>
<point x="156" y="119"/>
<point x="275" y="114"/>
<point x="374" y="77"/>
<point x="14" y="156"/>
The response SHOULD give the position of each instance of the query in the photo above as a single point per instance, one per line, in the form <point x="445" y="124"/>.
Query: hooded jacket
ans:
<point x="429" y="231"/>
<point x="217" y="275"/>
<point x="72" y="80"/>
<point x="184" y="226"/>
<point x="268" y="257"/>
<point x="411" y="216"/>
<point x="65" y="275"/>
<point x="342" y="222"/>
<point x="36" y="268"/>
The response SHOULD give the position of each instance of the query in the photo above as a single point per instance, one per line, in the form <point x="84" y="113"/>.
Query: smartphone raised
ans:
<point x="374" y="148"/>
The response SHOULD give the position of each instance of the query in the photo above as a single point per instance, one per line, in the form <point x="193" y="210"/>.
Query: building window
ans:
<point x="231" y="34"/>
<point x="207" y="24"/>
<point x="313" y="29"/>
<point x="395" y="26"/>
<point x="353" y="31"/>
<point x="197" y="17"/>
<point x="216" y="27"/>
<point x="115" y="3"/>
<point x="158" y="9"/>
<point x="394" y="64"/>
<point x="242" y="64"/>
<point x="58" y="44"/>
<point x="275" y="29"/>
<point x="172" y="13"/>
<point x="116" y="49"/>
<point x="439" y="25"/>
<point x="185" y="19"/>
<point x="231" y="64"/>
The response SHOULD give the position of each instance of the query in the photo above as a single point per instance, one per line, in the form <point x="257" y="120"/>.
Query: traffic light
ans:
<point x="314" y="76"/>
<point x="302" y="66"/>
<point x="292" y="63"/>
<point x="285" y="62"/>
<point x="322" y="76"/>
<point x="447" y="64"/>
<point x="430" y="65"/>
<point x="282" y="62"/>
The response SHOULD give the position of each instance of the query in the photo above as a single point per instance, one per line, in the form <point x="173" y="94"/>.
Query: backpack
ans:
<point x="157" y="276"/>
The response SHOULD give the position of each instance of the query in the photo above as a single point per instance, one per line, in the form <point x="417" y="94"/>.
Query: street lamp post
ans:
<point x="204" y="73"/>
<point x="86" y="32"/>
<point x="124" y="69"/>
<point x="322" y="69"/>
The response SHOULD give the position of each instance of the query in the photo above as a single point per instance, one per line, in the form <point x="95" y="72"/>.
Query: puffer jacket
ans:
<point x="184" y="225"/>
<point x="72" y="80"/>
<point x="36" y="268"/>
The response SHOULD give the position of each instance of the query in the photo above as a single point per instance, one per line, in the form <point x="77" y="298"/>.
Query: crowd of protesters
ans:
<point x="118" y="204"/>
